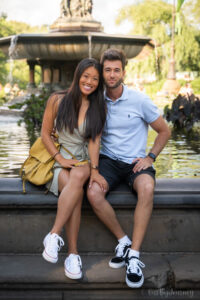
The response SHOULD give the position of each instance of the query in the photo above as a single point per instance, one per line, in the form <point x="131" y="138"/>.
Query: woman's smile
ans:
<point x="89" y="81"/>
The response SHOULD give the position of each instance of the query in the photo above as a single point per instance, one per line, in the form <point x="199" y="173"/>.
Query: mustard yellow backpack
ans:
<point x="38" y="167"/>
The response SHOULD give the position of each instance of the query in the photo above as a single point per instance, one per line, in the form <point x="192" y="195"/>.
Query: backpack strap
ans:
<point x="22" y="175"/>
<point x="74" y="157"/>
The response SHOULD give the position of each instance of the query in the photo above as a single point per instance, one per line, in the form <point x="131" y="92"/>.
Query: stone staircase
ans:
<point x="171" y="249"/>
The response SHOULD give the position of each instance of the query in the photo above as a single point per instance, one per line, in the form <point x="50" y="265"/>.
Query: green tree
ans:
<point x="20" y="68"/>
<point x="8" y="28"/>
<point x="187" y="49"/>
<point x="5" y="28"/>
<point x="153" y="18"/>
<point x="3" y="71"/>
<point x="21" y="27"/>
<point x="191" y="9"/>
<point x="149" y="17"/>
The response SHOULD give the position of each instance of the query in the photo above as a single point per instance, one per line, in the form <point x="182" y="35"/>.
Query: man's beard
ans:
<point x="118" y="83"/>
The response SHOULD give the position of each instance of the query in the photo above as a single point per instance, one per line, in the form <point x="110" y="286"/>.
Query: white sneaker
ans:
<point x="73" y="266"/>
<point x="52" y="244"/>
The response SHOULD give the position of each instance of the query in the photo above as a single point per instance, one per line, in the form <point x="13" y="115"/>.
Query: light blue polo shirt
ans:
<point x="125" y="133"/>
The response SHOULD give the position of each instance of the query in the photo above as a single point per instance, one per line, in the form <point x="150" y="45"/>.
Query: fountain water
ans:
<point x="90" y="46"/>
<point x="12" y="51"/>
<point x="12" y="54"/>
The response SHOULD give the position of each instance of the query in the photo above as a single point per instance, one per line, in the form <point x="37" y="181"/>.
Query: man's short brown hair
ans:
<point x="114" y="54"/>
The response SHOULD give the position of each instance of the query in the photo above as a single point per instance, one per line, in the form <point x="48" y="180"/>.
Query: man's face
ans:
<point x="113" y="73"/>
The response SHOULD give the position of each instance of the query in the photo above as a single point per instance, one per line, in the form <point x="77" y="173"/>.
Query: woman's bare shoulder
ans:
<point x="55" y="98"/>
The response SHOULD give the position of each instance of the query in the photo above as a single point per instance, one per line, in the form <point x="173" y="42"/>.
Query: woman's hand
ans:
<point x="66" y="163"/>
<point x="98" y="178"/>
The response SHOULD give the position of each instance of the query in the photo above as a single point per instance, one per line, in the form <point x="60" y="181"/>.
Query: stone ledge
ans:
<point x="168" y="193"/>
<point x="186" y="270"/>
<point x="162" y="271"/>
<point x="174" y="225"/>
<point x="117" y="294"/>
<point x="106" y="294"/>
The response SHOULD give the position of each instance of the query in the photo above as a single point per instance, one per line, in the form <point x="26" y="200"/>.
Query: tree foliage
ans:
<point x="187" y="50"/>
<point x="153" y="18"/>
<point x="8" y="28"/>
<point x="20" y="68"/>
<point x="191" y="9"/>
<point x="5" y="28"/>
<point x="149" y="17"/>
<point x="3" y="70"/>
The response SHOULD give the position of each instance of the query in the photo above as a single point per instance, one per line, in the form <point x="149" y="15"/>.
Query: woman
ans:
<point x="78" y="116"/>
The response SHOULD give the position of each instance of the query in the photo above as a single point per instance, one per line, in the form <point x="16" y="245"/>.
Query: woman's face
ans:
<point x="89" y="81"/>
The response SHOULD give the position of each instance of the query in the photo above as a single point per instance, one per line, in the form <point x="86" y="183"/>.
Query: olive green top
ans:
<point x="76" y="144"/>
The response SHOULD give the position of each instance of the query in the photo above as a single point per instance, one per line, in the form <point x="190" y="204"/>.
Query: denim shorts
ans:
<point x="116" y="171"/>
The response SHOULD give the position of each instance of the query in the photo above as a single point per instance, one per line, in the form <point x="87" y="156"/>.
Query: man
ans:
<point x="123" y="157"/>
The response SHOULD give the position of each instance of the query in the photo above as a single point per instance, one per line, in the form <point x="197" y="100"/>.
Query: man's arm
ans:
<point x="164" y="134"/>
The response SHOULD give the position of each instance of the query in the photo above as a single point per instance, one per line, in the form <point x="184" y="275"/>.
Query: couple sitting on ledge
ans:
<point x="84" y="117"/>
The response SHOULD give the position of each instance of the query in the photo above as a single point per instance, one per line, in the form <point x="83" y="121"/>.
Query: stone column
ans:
<point x="31" y="83"/>
<point x="56" y="78"/>
<point x="47" y="76"/>
<point x="67" y="73"/>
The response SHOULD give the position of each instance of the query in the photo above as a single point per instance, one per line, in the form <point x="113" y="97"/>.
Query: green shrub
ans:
<point x="2" y="97"/>
<point x="152" y="88"/>
<point x="34" y="106"/>
<point x="196" y="86"/>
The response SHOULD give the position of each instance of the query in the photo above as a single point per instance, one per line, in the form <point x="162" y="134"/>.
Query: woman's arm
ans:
<point x="47" y="129"/>
<point x="93" y="149"/>
<point x="48" y="124"/>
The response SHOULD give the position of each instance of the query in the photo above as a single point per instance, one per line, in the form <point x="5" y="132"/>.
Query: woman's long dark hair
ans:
<point x="69" y="107"/>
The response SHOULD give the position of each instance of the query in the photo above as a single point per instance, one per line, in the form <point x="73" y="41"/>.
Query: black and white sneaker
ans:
<point x="120" y="251"/>
<point x="134" y="276"/>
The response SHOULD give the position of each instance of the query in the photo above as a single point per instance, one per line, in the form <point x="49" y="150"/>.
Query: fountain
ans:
<point x="73" y="36"/>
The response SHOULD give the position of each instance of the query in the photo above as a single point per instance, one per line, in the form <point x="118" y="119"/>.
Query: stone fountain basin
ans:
<point x="71" y="45"/>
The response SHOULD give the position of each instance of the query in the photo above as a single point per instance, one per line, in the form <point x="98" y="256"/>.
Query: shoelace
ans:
<point x="119" y="250"/>
<point x="75" y="259"/>
<point x="134" y="265"/>
<point x="56" y="242"/>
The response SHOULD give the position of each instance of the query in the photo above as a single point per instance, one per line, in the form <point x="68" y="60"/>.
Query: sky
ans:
<point x="38" y="12"/>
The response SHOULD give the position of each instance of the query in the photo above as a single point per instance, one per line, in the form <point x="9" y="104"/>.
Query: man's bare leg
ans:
<point x="144" y="186"/>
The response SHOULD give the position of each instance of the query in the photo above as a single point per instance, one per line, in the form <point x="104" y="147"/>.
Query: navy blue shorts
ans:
<point x="116" y="171"/>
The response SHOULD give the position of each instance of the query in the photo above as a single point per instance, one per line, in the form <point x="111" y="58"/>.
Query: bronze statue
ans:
<point x="87" y="8"/>
<point x="76" y="8"/>
<point x="64" y="8"/>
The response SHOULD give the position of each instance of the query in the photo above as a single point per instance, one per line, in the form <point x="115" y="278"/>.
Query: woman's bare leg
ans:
<point x="70" y="196"/>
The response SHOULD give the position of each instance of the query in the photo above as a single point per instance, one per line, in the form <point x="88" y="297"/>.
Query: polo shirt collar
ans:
<point x="124" y="95"/>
